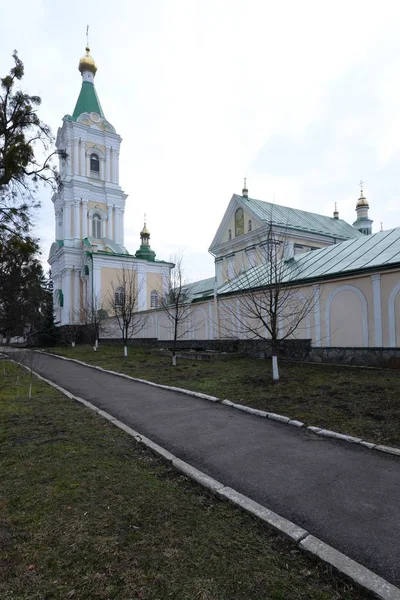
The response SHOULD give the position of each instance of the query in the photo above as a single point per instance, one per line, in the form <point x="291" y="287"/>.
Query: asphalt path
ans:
<point x="344" y="494"/>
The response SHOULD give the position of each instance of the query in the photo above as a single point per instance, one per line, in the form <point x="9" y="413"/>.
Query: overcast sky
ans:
<point x="302" y="98"/>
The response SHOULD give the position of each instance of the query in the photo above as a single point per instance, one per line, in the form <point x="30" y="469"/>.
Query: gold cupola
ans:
<point x="362" y="201"/>
<point x="87" y="63"/>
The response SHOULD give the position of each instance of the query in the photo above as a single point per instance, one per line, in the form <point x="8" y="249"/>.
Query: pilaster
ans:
<point x="317" y="315"/>
<point x="376" y="289"/>
<point x="77" y="233"/>
<point x="109" y="222"/>
<point x="84" y="219"/>
<point x="66" y="289"/>
<point x="142" y="297"/>
<point x="108" y="164"/>
<point x="67" y="220"/>
<point x="76" y="156"/>
<point x="83" y="158"/>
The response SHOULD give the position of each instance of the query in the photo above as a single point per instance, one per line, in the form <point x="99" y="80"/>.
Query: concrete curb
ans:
<point x="359" y="575"/>
<point x="353" y="570"/>
<point x="253" y="411"/>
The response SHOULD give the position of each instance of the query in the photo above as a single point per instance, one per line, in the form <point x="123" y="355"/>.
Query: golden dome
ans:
<point x="87" y="63"/>
<point x="362" y="201"/>
<point x="145" y="231"/>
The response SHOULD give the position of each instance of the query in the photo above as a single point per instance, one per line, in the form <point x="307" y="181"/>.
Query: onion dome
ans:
<point x="145" y="232"/>
<point x="87" y="63"/>
<point x="362" y="201"/>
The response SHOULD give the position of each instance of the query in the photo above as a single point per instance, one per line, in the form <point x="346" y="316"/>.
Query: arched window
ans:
<point x="94" y="163"/>
<point x="239" y="222"/>
<point x="96" y="227"/>
<point x="119" y="296"/>
<point x="230" y="234"/>
<point x="250" y="225"/>
<point x="154" y="299"/>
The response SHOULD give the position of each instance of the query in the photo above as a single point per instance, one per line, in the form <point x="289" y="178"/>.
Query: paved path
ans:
<point x="346" y="495"/>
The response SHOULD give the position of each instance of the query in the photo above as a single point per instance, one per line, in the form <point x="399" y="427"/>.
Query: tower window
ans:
<point x="96" y="227"/>
<point x="94" y="163"/>
<point x="119" y="296"/>
<point x="230" y="234"/>
<point x="250" y="225"/>
<point x="154" y="299"/>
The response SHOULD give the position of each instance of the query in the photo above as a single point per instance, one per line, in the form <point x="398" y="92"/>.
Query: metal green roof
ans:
<point x="199" y="289"/>
<point x="369" y="252"/>
<point x="145" y="253"/>
<point x="88" y="101"/>
<point x="302" y="220"/>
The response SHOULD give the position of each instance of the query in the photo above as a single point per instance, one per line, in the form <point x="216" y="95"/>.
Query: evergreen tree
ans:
<point x="23" y="139"/>
<point x="21" y="285"/>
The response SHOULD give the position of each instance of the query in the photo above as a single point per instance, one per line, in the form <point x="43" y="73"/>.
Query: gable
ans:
<point x="228" y="222"/>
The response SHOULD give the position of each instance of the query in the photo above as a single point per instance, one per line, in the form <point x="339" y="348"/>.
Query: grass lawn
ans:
<point x="87" y="513"/>
<point x="360" y="402"/>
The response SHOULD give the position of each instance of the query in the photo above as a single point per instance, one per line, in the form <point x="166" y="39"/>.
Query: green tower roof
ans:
<point x="88" y="101"/>
<point x="145" y="253"/>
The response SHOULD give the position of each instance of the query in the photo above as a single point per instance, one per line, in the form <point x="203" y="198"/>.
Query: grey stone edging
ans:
<point x="359" y="575"/>
<point x="394" y="451"/>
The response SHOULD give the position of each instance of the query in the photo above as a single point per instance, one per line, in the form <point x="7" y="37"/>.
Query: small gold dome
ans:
<point x="87" y="63"/>
<point x="145" y="231"/>
<point x="362" y="201"/>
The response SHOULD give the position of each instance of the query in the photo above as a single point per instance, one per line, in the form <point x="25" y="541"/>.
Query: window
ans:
<point x="94" y="163"/>
<point x="250" y="225"/>
<point x="96" y="227"/>
<point x="230" y="234"/>
<point x="239" y="222"/>
<point x="154" y="299"/>
<point x="119" y="296"/>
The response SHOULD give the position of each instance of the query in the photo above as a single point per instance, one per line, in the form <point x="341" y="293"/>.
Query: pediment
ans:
<point x="221" y="237"/>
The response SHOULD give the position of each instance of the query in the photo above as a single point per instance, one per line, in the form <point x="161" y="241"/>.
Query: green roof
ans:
<point x="87" y="101"/>
<point x="302" y="220"/>
<point x="145" y="253"/>
<point x="200" y="289"/>
<point x="369" y="252"/>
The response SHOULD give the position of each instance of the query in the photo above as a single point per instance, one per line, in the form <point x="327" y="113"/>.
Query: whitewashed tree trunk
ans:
<point x="73" y="344"/>
<point x="96" y="344"/>
<point x="275" y="370"/>
<point x="30" y="391"/>
<point x="125" y="351"/>
<point x="174" y="360"/>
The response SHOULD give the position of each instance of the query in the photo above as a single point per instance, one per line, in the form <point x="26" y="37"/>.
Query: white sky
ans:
<point x="302" y="98"/>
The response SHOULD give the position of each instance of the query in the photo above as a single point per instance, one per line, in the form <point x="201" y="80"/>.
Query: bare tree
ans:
<point x="176" y="305"/>
<point x="123" y="305"/>
<point x="93" y="316"/>
<point x="266" y="300"/>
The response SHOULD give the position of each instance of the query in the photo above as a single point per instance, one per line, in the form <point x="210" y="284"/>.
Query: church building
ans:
<point x="88" y="255"/>
<point x="351" y="275"/>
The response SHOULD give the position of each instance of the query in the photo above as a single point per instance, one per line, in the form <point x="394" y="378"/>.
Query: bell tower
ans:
<point x="89" y="207"/>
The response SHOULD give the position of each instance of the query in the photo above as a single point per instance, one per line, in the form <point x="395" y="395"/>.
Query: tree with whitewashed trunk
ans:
<point x="265" y="302"/>
<point x="123" y="305"/>
<point x="176" y="305"/>
<point x="70" y="332"/>
<point x="93" y="316"/>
